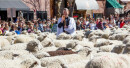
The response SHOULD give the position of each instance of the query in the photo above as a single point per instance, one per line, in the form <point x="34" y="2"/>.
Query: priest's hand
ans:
<point x="63" y="18"/>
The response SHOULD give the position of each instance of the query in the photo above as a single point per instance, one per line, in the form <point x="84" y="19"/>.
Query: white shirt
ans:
<point x="71" y="27"/>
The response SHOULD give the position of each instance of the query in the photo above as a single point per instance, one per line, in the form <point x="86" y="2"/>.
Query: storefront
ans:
<point x="101" y="11"/>
<point x="113" y="7"/>
<point x="18" y="5"/>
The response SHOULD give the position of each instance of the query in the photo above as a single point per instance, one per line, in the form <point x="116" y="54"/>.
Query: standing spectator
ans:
<point x="20" y="15"/>
<point x="40" y="26"/>
<point x="122" y="23"/>
<point x="78" y="25"/>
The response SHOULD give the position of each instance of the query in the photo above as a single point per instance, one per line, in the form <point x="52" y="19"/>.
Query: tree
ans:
<point x="71" y="5"/>
<point x="36" y="4"/>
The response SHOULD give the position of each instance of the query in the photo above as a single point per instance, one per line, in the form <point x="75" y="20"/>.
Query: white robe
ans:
<point x="71" y="27"/>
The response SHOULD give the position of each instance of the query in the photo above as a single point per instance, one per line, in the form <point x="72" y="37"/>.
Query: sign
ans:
<point x="11" y="12"/>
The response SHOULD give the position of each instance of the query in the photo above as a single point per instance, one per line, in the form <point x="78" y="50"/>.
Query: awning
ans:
<point x="101" y="7"/>
<point x="86" y="5"/>
<point x="113" y="4"/>
<point x="125" y="1"/>
<point x="17" y="4"/>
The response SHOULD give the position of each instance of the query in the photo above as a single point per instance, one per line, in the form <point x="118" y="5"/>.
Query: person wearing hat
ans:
<point x="66" y="24"/>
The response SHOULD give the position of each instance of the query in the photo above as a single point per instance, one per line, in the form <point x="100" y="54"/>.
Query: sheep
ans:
<point x="34" y="46"/>
<point x="109" y="60"/>
<point x="127" y="49"/>
<point x="87" y="34"/>
<point x="61" y="43"/>
<point x="4" y="42"/>
<point x="17" y="46"/>
<point x="118" y="49"/>
<point x="74" y="46"/>
<point x="101" y="42"/>
<point x="94" y="38"/>
<point x="33" y="35"/>
<point x="10" y="34"/>
<point x="66" y="58"/>
<point x="115" y="42"/>
<point x="57" y="64"/>
<point x="41" y="37"/>
<point x="107" y="48"/>
<point x="126" y="40"/>
<point x="24" y="32"/>
<point x="64" y="36"/>
<point x="42" y="55"/>
<point x="86" y="43"/>
<point x="38" y="32"/>
<point x="47" y="42"/>
<point x="5" y="63"/>
<point x="105" y="35"/>
<point x="51" y="35"/>
<point x="78" y="37"/>
<point x="120" y="37"/>
<point x="11" y="39"/>
<point x="23" y="39"/>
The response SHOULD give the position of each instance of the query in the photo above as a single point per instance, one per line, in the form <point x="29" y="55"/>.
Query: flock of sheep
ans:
<point x="108" y="48"/>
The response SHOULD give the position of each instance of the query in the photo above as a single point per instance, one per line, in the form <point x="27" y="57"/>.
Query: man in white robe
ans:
<point x="66" y="24"/>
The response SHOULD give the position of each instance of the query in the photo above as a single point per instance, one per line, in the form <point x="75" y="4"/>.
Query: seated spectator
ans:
<point x="48" y="29"/>
<point x="122" y="23"/>
<point x="6" y="29"/>
<point x="99" y="25"/>
<point x="83" y="25"/>
<point x="20" y="27"/>
<point x="40" y="26"/>
<point x="2" y="28"/>
<point x="0" y="32"/>
<point x="92" y="25"/>
<point x="14" y="28"/>
<point x="30" y="29"/>
<point x="54" y="27"/>
<point x="87" y="23"/>
<point x="35" y="26"/>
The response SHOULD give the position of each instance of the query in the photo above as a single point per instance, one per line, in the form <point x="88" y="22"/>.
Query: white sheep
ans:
<point x="47" y="42"/>
<point x="4" y="42"/>
<point x="23" y="39"/>
<point x="18" y="46"/>
<point x="101" y="42"/>
<point x="34" y="46"/>
<point x="118" y="49"/>
<point x="127" y="49"/>
<point x="109" y="60"/>
<point x="64" y="36"/>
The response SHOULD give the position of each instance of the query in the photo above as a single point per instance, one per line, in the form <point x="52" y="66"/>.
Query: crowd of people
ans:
<point x="29" y="26"/>
<point x="50" y="25"/>
<point x="102" y="23"/>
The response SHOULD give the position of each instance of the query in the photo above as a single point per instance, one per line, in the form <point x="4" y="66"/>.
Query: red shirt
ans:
<point x="122" y="24"/>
